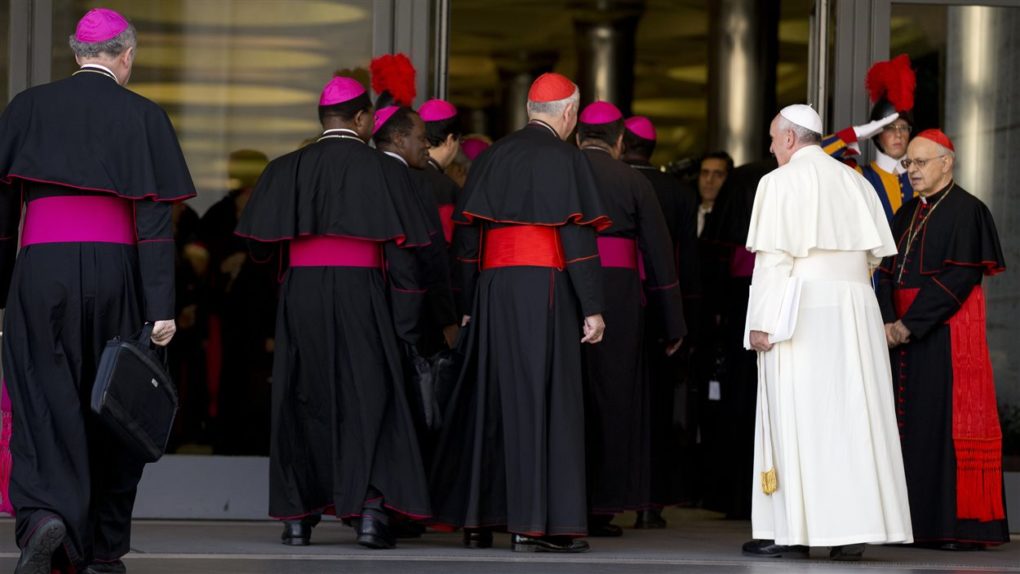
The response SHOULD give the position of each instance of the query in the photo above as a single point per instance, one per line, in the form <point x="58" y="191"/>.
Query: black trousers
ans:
<point x="66" y="301"/>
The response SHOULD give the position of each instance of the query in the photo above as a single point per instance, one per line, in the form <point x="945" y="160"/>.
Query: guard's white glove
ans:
<point x="872" y="129"/>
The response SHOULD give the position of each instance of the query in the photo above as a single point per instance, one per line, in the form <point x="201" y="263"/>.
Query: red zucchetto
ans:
<point x="939" y="137"/>
<point x="551" y="87"/>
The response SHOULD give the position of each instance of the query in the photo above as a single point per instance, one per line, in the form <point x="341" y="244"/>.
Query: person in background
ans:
<point x="241" y="340"/>
<point x="669" y="375"/>
<point x="715" y="166"/>
<point x="890" y="85"/>
<point x="637" y="256"/>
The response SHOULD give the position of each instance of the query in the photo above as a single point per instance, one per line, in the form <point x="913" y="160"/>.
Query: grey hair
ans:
<point x="553" y="108"/>
<point x="943" y="150"/>
<point x="804" y="135"/>
<point x="114" y="46"/>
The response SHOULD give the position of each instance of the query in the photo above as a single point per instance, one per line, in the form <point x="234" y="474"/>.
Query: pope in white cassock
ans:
<point x="828" y="465"/>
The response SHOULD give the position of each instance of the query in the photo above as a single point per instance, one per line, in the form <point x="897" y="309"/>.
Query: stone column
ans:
<point x="517" y="70"/>
<point x="605" y="32"/>
<point x="743" y="50"/>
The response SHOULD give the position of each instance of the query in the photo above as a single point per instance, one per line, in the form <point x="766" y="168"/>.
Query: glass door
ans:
<point x="240" y="80"/>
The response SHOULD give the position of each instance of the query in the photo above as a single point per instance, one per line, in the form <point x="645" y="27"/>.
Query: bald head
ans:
<point x="931" y="166"/>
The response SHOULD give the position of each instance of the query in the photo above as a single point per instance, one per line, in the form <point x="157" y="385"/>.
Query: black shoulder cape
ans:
<point x="88" y="132"/>
<point x="335" y="187"/>
<point x="532" y="177"/>
<point x="959" y="232"/>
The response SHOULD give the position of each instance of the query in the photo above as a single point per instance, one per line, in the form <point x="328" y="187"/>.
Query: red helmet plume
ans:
<point x="394" y="73"/>
<point x="893" y="80"/>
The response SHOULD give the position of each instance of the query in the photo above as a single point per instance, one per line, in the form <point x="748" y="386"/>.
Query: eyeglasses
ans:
<point x="920" y="163"/>
<point x="904" y="129"/>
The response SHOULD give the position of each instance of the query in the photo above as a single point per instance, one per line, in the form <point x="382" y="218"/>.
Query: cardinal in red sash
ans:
<point x="934" y="309"/>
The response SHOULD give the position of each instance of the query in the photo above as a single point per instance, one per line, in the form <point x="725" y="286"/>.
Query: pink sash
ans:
<point x="325" y="251"/>
<point x="621" y="252"/>
<point x="79" y="219"/>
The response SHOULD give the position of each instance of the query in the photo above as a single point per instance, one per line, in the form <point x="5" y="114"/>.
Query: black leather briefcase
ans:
<point x="134" y="396"/>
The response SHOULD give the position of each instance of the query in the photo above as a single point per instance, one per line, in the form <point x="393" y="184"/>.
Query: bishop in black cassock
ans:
<point x="343" y="440"/>
<point x="680" y="209"/>
<point x="96" y="168"/>
<point x="638" y="267"/>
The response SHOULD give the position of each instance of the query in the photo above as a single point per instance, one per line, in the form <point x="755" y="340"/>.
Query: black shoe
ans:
<point x="37" y="555"/>
<point x="604" y="530"/>
<point x="651" y="518"/>
<point x="847" y="553"/>
<point x="564" y="544"/>
<point x="299" y="532"/>
<point x="769" y="549"/>
<point x="477" y="538"/>
<point x="374" y="533"/>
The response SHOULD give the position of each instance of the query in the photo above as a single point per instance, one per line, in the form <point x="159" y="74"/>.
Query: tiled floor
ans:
<point x="695" y="542"/>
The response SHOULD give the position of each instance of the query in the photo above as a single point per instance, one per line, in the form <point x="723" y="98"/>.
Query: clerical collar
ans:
<point x="436" y="165"/>
<point x="545" y="125"/>
<point x="340" y="133"/>
<point x="643" y="164"/>
<point x="888" y="164"/>
<point x="97" y="69"/>
<point x="935" y="196"/>
<point x="596" y="147"/>
<point x="402" y="160"/>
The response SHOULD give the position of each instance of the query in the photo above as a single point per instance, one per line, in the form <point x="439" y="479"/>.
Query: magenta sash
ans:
<point x="742" y="263"/>
<point x="79" y="219"/>
<point x="621" y="252"/>
<point x="325" y="251"/>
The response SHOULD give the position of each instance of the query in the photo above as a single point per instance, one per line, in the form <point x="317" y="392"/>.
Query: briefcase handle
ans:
<point x="145" y="339"/>
<point x="145" y="335"/>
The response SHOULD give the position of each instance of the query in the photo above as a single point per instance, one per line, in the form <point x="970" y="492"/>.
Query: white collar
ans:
<point x="402" y="160"/>
<point x="888" y="164"/>
<point x="340" y="133"/>
<point x="101" y="68"/>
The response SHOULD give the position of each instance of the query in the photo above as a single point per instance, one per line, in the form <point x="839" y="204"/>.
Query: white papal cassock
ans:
<point x="817" y="230"/>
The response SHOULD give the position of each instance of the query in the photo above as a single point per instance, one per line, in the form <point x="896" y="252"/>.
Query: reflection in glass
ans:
<point x="240" y="80"/>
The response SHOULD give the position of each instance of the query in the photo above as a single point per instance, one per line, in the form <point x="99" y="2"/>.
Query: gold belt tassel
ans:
<point x="769" y="477"/>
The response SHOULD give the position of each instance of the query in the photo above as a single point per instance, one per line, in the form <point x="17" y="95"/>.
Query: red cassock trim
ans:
<point x="600" y="223"/>
<point x="977" y="436"/>
<point x="522" y="245"/>
<point x="446" y="218"/>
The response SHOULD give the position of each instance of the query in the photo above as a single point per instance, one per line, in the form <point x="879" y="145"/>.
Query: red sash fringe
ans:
<point x="977" y="436"/>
